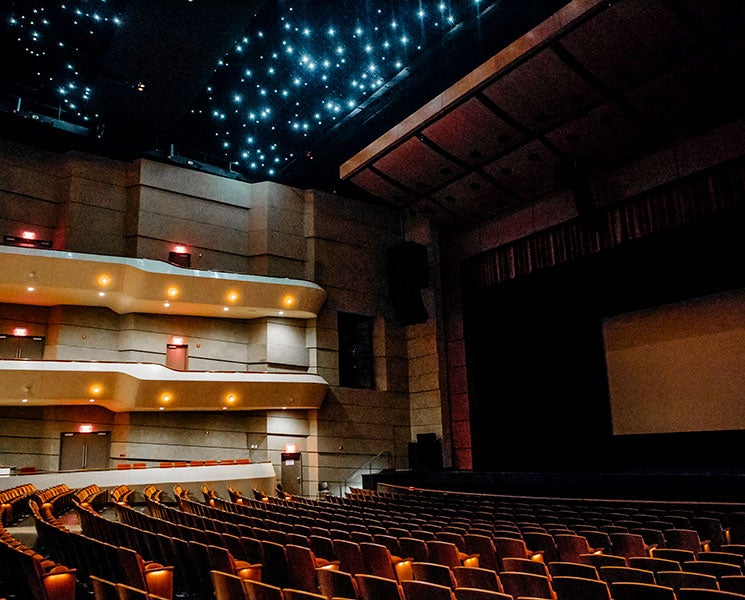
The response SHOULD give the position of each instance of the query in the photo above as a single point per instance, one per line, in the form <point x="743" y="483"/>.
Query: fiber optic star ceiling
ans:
<point x="278" y="90"/>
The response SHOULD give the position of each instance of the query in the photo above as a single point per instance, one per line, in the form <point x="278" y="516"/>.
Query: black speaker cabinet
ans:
<point x="408" y="273"/>
<point x="425" y="453"/>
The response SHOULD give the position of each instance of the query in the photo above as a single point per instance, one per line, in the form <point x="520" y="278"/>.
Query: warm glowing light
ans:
<point x="25" y="400"/>
<point x="177" y="341"/>
<point x="161" y="408"/>
<point x="30" y="288"/>
<point x="166" y="397"/>
<point x="230" y="398"/>
<point x="28" y="235"/>
<point x="166" y="304"/>
<point x="91" y="400"/>
<point x="232" y="296"/>
<point x="179" y="249"/>
<point x="20" y="331"/>
<point x="288" y="301"/>
<point x="104" y="280"/>
<point x="290" y="448"/>
<point x="86" y="428"/>
<point x="101" y="294"/>
<point x="96" y="389"/>
<point x="172" y="292"/>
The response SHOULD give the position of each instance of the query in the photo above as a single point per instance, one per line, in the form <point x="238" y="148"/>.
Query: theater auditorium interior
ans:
<point x="375" y="267"/>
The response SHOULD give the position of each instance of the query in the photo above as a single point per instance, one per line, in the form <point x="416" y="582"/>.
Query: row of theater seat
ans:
<point x="25" y="574"/>
<point x="360" y="514"/>
<point x="14" y="503"/>
<point x="523" y="559"/>
<point x="94" y="560"/>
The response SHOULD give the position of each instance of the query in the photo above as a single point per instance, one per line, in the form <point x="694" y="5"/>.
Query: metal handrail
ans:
<point x="367" y="465"/>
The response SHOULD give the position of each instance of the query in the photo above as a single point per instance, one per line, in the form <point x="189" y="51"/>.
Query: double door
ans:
<point x="84" y="451"/>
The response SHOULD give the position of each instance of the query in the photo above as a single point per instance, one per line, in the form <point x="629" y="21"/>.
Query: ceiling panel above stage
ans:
<point x="595" y="86"/>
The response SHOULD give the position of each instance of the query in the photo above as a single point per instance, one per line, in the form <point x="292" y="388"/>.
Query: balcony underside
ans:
<point x="125" y="387"/>
<point x="127" y="285"/>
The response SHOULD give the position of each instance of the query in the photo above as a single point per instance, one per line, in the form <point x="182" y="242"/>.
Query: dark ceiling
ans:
<point x="280" y="90"/>
<point x="291" y="91"/>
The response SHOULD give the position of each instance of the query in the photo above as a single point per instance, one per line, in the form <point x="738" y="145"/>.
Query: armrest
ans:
<point x="536" y="555"/>
<point x="59" y="583"/>
<point x="469" y="560"/>
<point x="159" y="580"/>
<point x="402" y="567"/>
<point x="331" y="565"/>
<point x="246" y="570"/>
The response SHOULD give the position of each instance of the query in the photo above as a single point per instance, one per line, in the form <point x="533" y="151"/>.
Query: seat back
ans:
<point x="302" y="565"/>
<point x="653" y="564"/>
<point x="526" y="585"/>
<point x="628" y="544"/>
<point x="572" y="546"/>
<point x="276" y="570"/>
<point x="710" y="567"/>
<point x="226" y="586"/>
<point x="293" y="594"/>
<point x="572" y="569"/>
<point x="579" y="588"/>
<point x="705" y="594"/>
<point x="257" y="590"/>
<point x="414" y="548"/>
<point x="433" y="573"/>
<point x="452" y="537"/>
<point x="349" y="555"/>
<point x="105" y="590"/>
<point x="686" y="579"/>
<point x="477" y="577"/>
<point x="630" y="590"/>
<point x="685" y="539"/>
<point x="709" y="528"/>
<point x="651" y="536"/>
<point x="611" y="574"/>
<point x="732" y="583"/>
<point x="483" y="546"/>
<point x="443" y="553"/>
<point x="337" y="584"/>
<point x="465" y="593"/>
<point x="509" y="547"/>
<point x="389" y="541"/>
<point x="424" y="590"/>
<point x="720" y="556"/>
<point x="377" y="560"/>
<point x="524" y="565"/>
<point x="542" y="541"/>
<point x="679" y="555"/>
<point x="602" y="560"/>
<point x="372" y="587"/>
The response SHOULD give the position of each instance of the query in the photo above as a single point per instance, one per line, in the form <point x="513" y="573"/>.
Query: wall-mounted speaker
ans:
<point x="408" y="274"/>
<point x="426" y="453"/>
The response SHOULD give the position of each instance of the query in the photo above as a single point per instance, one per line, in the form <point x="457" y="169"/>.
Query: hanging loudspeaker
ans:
<point x="407" y="275"/>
